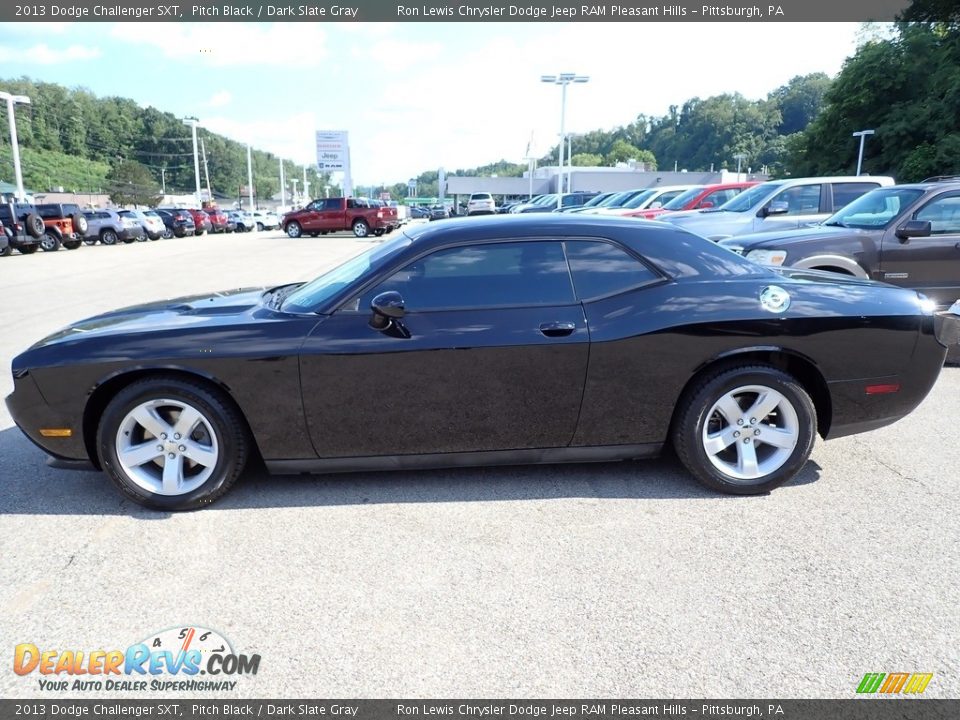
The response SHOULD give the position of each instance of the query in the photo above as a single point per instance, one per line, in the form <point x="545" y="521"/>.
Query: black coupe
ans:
<point x="521" y="339"/>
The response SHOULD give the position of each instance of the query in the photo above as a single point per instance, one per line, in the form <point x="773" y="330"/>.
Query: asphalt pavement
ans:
<point x="611" y="580"/>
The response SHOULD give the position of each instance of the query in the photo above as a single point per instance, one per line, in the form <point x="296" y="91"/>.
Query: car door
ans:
<point x="331" y="214"/>
<point x="494" y="358"/>
<point x="929" y="264"/>
<point x="311" y="217"/>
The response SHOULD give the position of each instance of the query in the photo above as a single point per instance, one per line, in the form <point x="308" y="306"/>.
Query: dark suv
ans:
<point x="22" y="228"/>
<point x="64" y="225"/>
<point x="178" y="221"/>
<point x="906" y="235"/>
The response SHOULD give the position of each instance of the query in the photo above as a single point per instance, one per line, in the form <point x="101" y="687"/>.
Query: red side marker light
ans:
<point x="883" y="389"/>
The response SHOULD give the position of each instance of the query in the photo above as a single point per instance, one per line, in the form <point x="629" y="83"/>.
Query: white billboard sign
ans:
<point x="333" y="152"/>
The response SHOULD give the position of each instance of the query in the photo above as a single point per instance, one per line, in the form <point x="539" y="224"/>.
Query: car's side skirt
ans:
<point x="537" y="456"/>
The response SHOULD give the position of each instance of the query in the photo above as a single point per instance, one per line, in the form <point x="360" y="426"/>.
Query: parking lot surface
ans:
<point x="621" y="579"/>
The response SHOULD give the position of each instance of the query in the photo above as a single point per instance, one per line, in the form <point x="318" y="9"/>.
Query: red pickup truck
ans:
<point x="327" y="215"/>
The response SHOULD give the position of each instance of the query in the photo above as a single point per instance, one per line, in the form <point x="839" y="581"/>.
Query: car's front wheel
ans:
<point x="745" y="430"/>
<point x="172" y="444"/>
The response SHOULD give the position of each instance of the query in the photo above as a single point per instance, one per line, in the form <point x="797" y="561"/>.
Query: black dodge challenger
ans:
<point x="505" y="340"/>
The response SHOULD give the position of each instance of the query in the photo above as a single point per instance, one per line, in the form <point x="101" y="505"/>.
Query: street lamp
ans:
<point x="862" y="134"/>
<point x="192" y="122"/>
<point x="739" y="157"/>
<point x="11" y="101"/>
<point x="563" y="79"/>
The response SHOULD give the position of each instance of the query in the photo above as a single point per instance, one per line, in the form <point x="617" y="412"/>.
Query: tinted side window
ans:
<point x="481" y="276"/>
<point x="719" y="197"/>
<point x="943" y="215"/>
<point x="331" y="204"/>
<point x="801" y="200"/>
<point x="600" y="269"/>
<point x="846" y="193"/>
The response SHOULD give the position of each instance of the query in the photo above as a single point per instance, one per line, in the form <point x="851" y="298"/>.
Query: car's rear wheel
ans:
<point x="259" y="226"/>
<point x="27" y="249"/>
<point x="79" y="223"/>
<point x="108" y="237"/>
<point x="35" y="226"/>
<point x="172" y="444"/>
<point x="361" y="229"/>
<point x="294" y="230"/>
<point x="71" y="244"/>
<point x="5" y="250"/>
<point x="745" y="430"/>
<point x="49" y="242"/>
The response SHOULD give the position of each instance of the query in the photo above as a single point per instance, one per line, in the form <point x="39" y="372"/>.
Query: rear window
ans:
<point x="846" y="193"/>
<point x="601" y="269"/>
<point x="481" y="196"/>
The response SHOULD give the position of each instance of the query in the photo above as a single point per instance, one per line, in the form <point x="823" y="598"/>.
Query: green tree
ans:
<point x="586" y="160"/>
<point x="131" y="183"/>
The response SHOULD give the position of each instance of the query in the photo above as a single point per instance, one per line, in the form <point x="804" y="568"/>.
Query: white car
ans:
<point x="265" y="220"/>
<point x="481" y="204"/>
<point x="651" y="198"/>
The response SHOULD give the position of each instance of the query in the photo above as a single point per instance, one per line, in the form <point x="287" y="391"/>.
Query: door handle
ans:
<point x="557" y="329"/>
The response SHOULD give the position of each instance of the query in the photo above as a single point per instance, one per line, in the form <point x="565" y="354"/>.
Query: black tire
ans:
<point x="5" y="250"/>
<point x="314" y="234"/>
<point x="50" y="242"/>
<point x="71" y="244"/>
<point x="90" y="241"/>
<point x="361" y="228"/>
<point x="259" y="227"/>
<point x="293" y="229"/>
<point x="108" y="236"/>
<point x="225" y="422"/>
<point x="35" y="226"/>
<point x="198" y="233"/>
<point x="79" y="223"/>
<point x="168" y="233"/>
<point x="379" y="232"/>
<point x="692" y="416"/>
<point x="129" y="240"/>
<point x="28" y="249"/>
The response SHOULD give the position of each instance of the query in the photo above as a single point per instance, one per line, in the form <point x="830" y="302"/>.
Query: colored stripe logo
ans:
<point x="894" y="683"/>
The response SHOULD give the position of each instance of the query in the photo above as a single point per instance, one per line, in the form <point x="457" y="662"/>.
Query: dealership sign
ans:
<point x="333" y="155"/>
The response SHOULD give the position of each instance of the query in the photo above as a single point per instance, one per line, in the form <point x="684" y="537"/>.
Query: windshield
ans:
<point x="875" y="209"/>
<point x="749" y="198"/>
<point x="599" y="199"/>
<point x="682" y="199"/>
<point x="638" y="200"/>
<point x="321" y="289"/>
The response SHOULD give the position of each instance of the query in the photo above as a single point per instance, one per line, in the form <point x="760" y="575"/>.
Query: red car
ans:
<point x="698" y="198"/>
<point x="218" y="219"/>
<point x="202" y="221"/>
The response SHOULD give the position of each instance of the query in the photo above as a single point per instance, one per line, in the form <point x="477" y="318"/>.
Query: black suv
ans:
<point x="178" y="221"/>
<point x="906" y="235"/>
<point x="22" y="228"/>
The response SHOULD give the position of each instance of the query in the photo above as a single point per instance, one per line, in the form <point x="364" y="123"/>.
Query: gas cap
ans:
<point x="775" y="299"/>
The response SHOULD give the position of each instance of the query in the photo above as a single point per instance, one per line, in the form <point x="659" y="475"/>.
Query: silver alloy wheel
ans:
<point x="750" y="433"/>
<point x="360" y="229"/>
<point x="167" y="447"/>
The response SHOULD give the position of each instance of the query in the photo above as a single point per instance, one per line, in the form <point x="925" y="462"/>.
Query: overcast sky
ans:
<point x="418" y="96"/>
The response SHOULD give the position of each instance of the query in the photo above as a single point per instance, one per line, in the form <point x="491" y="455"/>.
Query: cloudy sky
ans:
<point x="418" y="96"/>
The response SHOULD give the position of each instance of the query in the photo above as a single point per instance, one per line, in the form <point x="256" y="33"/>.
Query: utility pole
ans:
<point x="293" y="200"/>
<point x="250" y="175"/>
<point x="306" y="185"/>
<point x="192" y="122"/>
<point x="163" y="179"/>
<point x="14" y="144"/>
<point x="283" y="196"/>
<point x="206" y="172"/>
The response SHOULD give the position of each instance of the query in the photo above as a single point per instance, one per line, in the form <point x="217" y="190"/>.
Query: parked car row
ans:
<point x="50" y="226"/>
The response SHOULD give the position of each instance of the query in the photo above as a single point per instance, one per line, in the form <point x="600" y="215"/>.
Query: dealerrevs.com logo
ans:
<point x="177" y="659"/>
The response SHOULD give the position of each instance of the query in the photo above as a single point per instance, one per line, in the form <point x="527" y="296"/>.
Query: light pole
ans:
<point x="192" y="122"/>
<point x="14" y="144"/>
<point x="739" y="157"/>
<point x="862" y="134"/>
<point x="250" y="176"/>
<point x="563" y="79"/>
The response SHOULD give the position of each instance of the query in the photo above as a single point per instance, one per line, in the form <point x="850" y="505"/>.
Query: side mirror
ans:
<point x="656" y="205"/>
<point x="389" y="304"/>
<point x="913" y="229"/>
<point x="705" y="204"/>
<point x="777" y="207"/>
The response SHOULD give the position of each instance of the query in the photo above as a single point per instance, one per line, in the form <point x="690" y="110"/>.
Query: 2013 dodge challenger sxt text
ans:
<point x="505" y="340"/>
